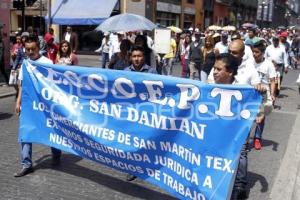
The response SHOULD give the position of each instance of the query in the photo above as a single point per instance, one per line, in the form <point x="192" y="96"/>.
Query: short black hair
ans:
<point x="33" y="38"/>
<point x="252" y="30"/>
<point x="259" y="45"/>
<point x="231" y="63"/>
<point x="138" y="48"/>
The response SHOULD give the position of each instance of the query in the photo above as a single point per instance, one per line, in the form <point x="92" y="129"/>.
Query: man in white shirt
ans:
<point x="32" y="51"/>
<point x="278" y="56"/>
<point x="222" y="46"/>
<point x="246" y="75"/>
<point x="267" y="73"/>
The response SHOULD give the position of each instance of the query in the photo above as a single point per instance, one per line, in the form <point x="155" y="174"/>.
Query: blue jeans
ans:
<point x="105" y="59"/>
<point x="241" y="178"/>
<point x="26" y="154"/>
<point x="259" y="129"/>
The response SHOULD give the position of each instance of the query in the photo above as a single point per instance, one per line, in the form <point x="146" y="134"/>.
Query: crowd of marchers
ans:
<point x="247" y="56"/>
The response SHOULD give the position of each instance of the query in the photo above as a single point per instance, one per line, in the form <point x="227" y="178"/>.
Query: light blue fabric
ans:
<point x="81" y="12"/>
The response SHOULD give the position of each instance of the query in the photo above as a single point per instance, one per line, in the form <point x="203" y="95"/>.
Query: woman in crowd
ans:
<point x="121" y="60"/>
<point x="185" y="54"/>
<point x="208" y="57"/>
<point x="65" y="55"/>
<point x="20" y="56"/>
<point x="15" y="47"/>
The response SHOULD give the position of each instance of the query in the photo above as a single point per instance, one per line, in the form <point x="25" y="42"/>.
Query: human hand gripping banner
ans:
<point x="179" y="134"/>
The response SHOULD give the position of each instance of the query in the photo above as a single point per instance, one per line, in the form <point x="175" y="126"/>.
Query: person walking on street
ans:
<point x="267" y="73"/>
<point x="138" y="65"/>
<point x="222" y="46"/>
<point x="208" y="57"/>
<point x="32" y="51"/>
<point x="104" y="49"/>
<point x="51" y="48"/>
<point x="168" y="59"/>
<point x="185" y="55"/>
<point x="196" y="57"/>
<point x="277" y="54"/>
<point x="72" y="38"/>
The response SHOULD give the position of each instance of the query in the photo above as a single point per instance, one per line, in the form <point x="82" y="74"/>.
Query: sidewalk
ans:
<point x="6" y="91"/>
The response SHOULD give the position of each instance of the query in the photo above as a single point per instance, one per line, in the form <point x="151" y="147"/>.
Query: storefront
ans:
<point x="5" y="28"/>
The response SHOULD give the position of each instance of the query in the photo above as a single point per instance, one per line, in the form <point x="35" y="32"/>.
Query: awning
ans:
<point x="81" y="12"/>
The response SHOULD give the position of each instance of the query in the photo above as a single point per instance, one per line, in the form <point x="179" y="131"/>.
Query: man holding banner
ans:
<point x="32" y="51"/>
<point x="138" y="61"/>
<point x="246" y="74"/>
<point x="138" y="65"/>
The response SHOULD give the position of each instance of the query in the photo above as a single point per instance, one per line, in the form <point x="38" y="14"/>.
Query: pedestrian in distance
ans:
<point x="71" y="37"/>
<point x="209" y="55"/>
<point x="32" y="51"/>
<point x="185" y="55"/>
<point x="20" y="56"/>
<point x="196" y="56"/>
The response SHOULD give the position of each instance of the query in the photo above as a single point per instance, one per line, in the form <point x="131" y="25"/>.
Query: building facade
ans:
<point x="243" y="11"/>
<point x="5" y="6"/>
<point x="221" y="12"/>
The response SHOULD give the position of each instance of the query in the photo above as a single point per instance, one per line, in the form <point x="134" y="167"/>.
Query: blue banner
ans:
<point x="179" y="134"/>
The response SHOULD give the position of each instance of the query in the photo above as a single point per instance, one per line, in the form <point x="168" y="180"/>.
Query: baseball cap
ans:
<point x="284" y="34"/>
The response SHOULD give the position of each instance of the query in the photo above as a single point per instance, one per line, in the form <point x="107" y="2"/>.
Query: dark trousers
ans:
<point x="241" y="178"/>
<point x="105" y="59"/>
<point x="2" y="69"/>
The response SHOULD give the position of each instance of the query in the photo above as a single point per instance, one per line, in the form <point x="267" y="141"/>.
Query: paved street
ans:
<point x="78" y="178"/>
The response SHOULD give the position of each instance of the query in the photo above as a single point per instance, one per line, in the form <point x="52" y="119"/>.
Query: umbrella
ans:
<point x="249" y="25"/>
<point x="126" y="22"/>
<point x="229" y="28"/>
<point x="175" y="29"/>
<point x="214" y="28"/>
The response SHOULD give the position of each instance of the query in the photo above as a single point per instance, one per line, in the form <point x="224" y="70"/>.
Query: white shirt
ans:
<point x="185" y="51"/>
<point x="266" y="71"/>
<point x="246" y="74"/>
<point x="105" y="47"/>
<point x="68" y="36"/>
<point x="115" y="45"/>
<point x="277" y="55"/>
<point x="221" y="47"/>
<point x="248" y="54"/>
<point x="42" y="59"/>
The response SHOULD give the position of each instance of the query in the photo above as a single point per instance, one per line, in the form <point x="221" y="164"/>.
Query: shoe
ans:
<point x="55" y="161"/>
<point x="257" y="144"/>
<point x="24" y="172"/>
<point x="238" y="194"/>
<point x="130" y="177"/>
